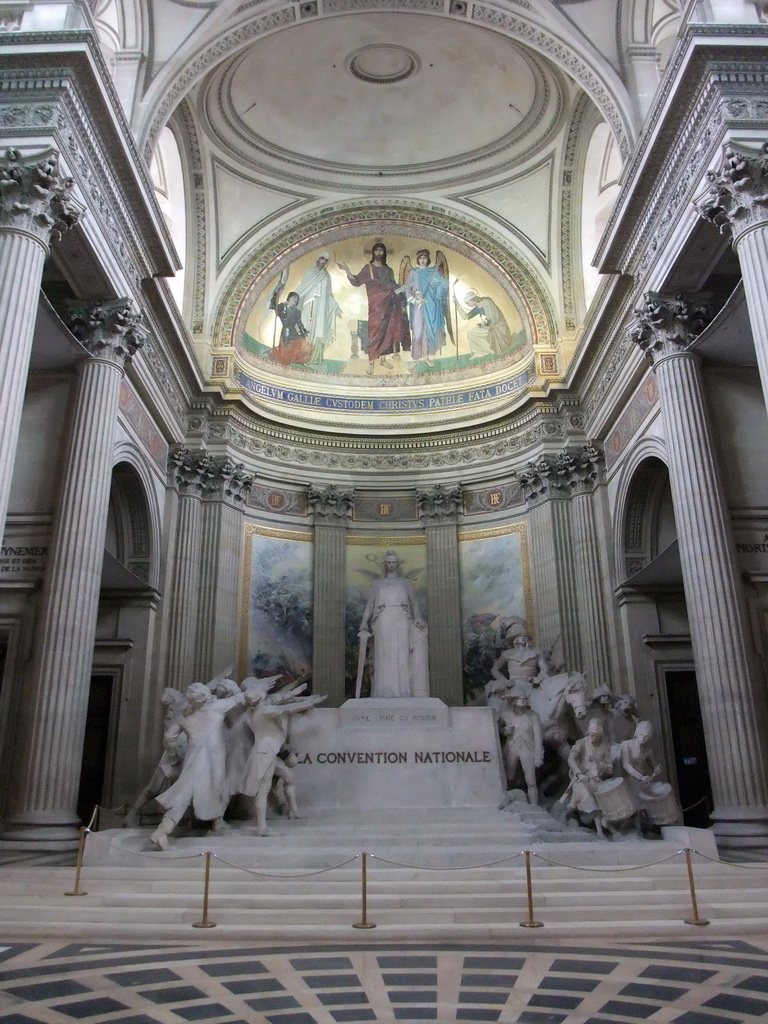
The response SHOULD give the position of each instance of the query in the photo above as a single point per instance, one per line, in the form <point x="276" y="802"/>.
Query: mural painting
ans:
<point x="386" y="308"/>
<point x="276" y="634"/>
<point x="365" y="565"/>
<point x="495" y="585"/>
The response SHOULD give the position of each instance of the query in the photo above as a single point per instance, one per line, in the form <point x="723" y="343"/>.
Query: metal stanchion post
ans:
<point x="530" y="923"/>
<point x="695" y="919"/>
<point x="77" y="891"/>
<point x="205" y="923"/>
<point x="364" y="922"/>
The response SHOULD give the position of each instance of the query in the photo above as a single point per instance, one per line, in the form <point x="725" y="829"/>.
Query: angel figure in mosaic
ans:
<point x="426" y="291"/>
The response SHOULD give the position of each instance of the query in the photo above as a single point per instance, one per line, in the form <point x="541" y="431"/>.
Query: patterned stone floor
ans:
<point x="534" y="981"/>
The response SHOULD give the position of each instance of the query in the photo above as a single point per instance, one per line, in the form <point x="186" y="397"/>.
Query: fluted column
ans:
<point x="583" y="472"/>
<point x="439" y="512"/>
<point x="191" y="474"/>
<point x="220" y="567"/>
<point x="546" y="489"/>
<point x="49" y="747"/>
<point x="35" y="206"/>
<point x="737" y="202"/>
<point x="733" y="701"/>
<point x="332" y="511"/>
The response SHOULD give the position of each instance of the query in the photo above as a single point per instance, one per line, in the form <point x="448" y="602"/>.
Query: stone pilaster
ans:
<point x="439" y="512"/>
<point x="332" y="510"/>
<point x="546" y="487"/>
<point x="191" y="474"/>
<point x="36" y="205"/>
<point x="737" y="202"/>
<point x="55" y="698"/>
<point x="582" y="471"/>
<point x="733" y="704"/>
<point x="220" y="567"/>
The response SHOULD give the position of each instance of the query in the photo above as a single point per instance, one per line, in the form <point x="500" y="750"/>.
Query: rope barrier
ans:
<point x="460" y="867"/>
<point x="629" y="867"/>
<point x="269" y="874"/>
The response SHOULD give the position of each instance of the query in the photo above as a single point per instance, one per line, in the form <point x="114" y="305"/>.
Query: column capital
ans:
<point x="440" y="505"/>
<point x="580" y="471"/>
<point x="737" y="195"/>
<point x="110" y="329"/>
<point x="331" y="505"/>
<point x="543" y="479"/>
<point x="192" y="473"/>
<point x="35" y="198"/>
<point x="229" y="480"/>
<point x="667" y="324"/>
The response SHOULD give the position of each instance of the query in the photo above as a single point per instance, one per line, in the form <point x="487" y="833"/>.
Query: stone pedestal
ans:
<point x="385" y="753"/>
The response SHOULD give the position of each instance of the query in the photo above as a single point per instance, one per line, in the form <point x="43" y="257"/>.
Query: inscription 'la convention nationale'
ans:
<point x="399" y="757"/>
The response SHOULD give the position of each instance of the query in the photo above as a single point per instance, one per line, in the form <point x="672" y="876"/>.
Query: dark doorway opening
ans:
<point x="96" y="745"/>
<point x="690" y="750"/>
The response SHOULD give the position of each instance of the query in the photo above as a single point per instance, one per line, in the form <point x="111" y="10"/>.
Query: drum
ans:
<point x="614" y="800"/>
<point x="659" y="803"/>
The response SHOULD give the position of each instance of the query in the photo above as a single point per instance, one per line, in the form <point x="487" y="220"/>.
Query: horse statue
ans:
<point x="555" y="699"/>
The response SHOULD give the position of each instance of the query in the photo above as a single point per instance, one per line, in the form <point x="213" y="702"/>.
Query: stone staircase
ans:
<point x="445" y="876"/>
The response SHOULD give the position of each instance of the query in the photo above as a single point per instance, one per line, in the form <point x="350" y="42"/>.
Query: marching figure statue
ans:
<point x="169" y="765"/>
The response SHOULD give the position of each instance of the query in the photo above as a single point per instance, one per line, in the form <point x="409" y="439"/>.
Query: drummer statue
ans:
<point x="654" y="800"/>
<point x="590" y="764"/>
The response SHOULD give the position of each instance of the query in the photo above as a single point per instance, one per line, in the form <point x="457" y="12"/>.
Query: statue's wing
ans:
<point x="405" y="269"/>
<point x="441" y="263"/>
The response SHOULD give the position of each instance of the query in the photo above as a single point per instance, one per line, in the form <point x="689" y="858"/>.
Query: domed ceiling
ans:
<point x="388" y="96"/>
<point x="443" y="141"/>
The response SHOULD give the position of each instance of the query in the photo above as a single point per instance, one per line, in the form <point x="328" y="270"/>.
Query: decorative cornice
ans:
<point x="440" y="505"/>
<point x="110" y="329"/>
<point x="666" y="325"/>
<point x="737" y="197"/>
<point x="34" y="196"/>
<point x="331" y="505"/>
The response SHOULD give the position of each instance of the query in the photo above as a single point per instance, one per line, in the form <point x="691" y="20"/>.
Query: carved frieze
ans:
<point x="666" y="324"/>
<point x="440" y="505"/>
<point x="35" y="197"/>
<point x="111" y="329"/>
<point x="492" y="499"/>
<point x="378" y="508"/>
<point x="278" y="499"/>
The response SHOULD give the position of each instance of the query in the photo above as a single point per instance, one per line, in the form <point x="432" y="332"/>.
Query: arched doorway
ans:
<point x="124" y="628"/>
<point x="656" y="623"/>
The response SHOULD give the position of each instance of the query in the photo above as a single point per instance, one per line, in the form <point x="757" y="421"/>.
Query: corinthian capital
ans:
<point x="438" y="506"/>
<point x="580" y="470"/>
<point x="737" y="194"/>
<point x="34" y="197"/>
<point x="193" y="473"/>
<point x="110" y="329"/>
<point x="666" y="324"/>
<point x="545" y="478"/>
<point x="331" y="505"/>
<point x="229" y="480"/>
